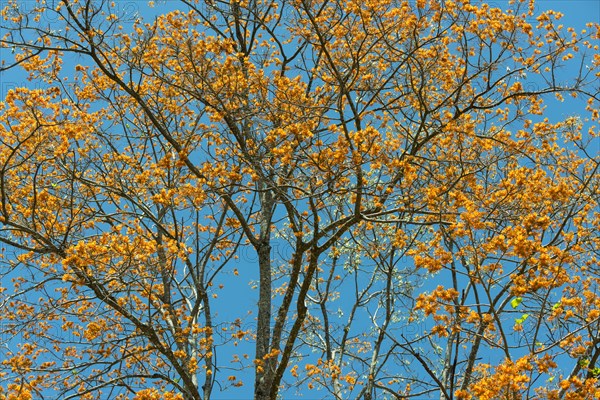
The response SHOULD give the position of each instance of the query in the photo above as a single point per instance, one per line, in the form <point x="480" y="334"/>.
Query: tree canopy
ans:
<point x="369" y="199"/>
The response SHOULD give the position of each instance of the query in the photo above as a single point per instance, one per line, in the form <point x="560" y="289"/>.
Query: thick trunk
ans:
<point x="263" y="328"/>
<point x="263" y="365"/>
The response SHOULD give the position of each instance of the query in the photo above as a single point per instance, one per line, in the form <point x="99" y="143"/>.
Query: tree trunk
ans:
<point x="264" y="367"/>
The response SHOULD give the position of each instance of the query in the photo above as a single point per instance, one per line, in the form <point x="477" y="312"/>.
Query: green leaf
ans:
<point x="550" y="379"/>
<point x="556" y="305"/>
<point x="522" y="319"/>
<point x="584" y="362"/>
<point x="516" y="301"/>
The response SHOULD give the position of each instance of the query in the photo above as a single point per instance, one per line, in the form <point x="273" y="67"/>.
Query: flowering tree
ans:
<point x="384" y="174"/>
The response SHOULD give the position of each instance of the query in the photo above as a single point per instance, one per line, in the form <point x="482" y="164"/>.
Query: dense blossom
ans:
<point x="356" y="199"/>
